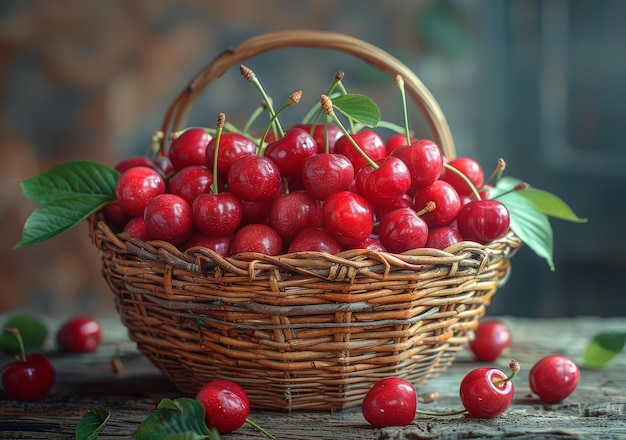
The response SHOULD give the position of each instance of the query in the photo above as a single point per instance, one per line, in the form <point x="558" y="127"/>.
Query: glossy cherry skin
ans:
<point x="402" y="230"/>
<point x="390" y="402"/>
<point x="319" y="136"/>
<point x="137" y="161"/>
<point x="470" y="168"/>
<point x="136" y="187"/>
<point x="482" y="397"/>
<point x="81" y="334"/>
<point x="115" y="216"/>
<point x="442" y="237"/>
<point x="254" y="178"/>
<point x="483" y="221"/>
<point x="136" y="227"/>
<point x="371" y="243"/>
<point x="256" y="238"/>
<point x="29" y="380"/>
<point x="226" y="405"/>
<point x="190" y="182"/>
<point x="424" y="161"/>
<point x="396" y="140"/>
<point x="491" y="338"/>
<point x="348" y="217"/>
<point x="290" y="151"/>
<point x="232" y="147"/>
<point x="315" y="240"/>
<point x="217" y="215"/>
<point x="370" y="142"/>
<point x="385" y="184"/>
<point x="553" y="378"/>
<point x="293" y="212"/>
<point x="447" y="201"/>
<point x="168" y="217"/>
<point x="221" y="245"/>
<point x="324" y="174"/>
<point x="189" y="148"/>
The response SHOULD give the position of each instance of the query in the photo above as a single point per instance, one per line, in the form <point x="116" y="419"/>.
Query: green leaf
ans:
<point x="92" y="423"/>
<point x="530" y="225"/>
<point x="603" y="348"/>
<point x="70" y="179"/>
<point x="358" y="108"/>
<point x="180" y="419"/>
<point x="58" y="216"/>
<point x="33" y="330"/>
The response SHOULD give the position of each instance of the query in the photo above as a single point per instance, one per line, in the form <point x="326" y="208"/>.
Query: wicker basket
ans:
<point x="305" y="331"/>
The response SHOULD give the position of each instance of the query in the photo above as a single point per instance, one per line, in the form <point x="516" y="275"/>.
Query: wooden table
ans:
<point x="597" y="409"/>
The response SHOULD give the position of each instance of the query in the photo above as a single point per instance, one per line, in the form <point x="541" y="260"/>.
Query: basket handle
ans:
<point x="375" y="56"/>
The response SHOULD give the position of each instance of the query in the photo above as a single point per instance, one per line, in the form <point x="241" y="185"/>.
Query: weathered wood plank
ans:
<point x="596" y="409"/>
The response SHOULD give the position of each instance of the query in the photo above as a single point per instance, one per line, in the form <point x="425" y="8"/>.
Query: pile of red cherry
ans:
<point x="315" y="188"/>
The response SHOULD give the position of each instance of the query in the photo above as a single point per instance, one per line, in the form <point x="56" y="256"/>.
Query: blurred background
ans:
<point x="540" y="83"/>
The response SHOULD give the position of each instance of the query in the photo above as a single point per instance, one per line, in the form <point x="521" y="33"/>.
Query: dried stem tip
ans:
<point x="221" y="118"/>
<point x="514" y="366"/>
<point x="339" y="75"/>
<point x="399" y="81"/>
<point x="247" y="73"/>
<point x="295" y="97"/>
<point x="501" y="164"/>
<point x="327" y="104"/>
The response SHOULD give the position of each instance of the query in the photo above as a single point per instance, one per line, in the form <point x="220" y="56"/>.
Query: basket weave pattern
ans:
<point x="304" y="331"/>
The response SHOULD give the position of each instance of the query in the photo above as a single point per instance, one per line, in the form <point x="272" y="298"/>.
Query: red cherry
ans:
<point x="396" y="140"/>
<point x="483" y="221"/>
<point x="424" y="161"/>
<point x="491" y="338"/>
<point x="372" y="243"/>
<point x="255" y="211"/>
<point x="290" y="151"/>
<point x="232" y="147"/>
<point x="315" y="240"/>
<point x="402" y="230"/>
<point x="189" y="148"/>
<point x="226" y="405"/>
<point x="81" y="334"/>
<point x="390" y="402"/>
<point x="324" y="174"/>
<point x="190" y="182"/>
<point x="138" y="161"/>
<point x="348" y="217"/>
<point x="221" y="245"/>
<point x="136" y="187"/>
<point x="370" y="142"/>
<point x="319" y="136"/>
<point x="217" y="215"/>
<point x="115" y="216"/>
<point x="553" y="378"/>
<point x="385" y="184"/>
<point x="470" y="168"/>
<point x="486" y="392"/>
<point x="442" y="237"/>
<point x="168" y="217"/>
<point x="256" y="238"/>
<point x="29" y="379"/>
<point x="293" y="212"/>
<point x="254" y="178"/>
<point x="136" y="227"/>
<point x="447" y="203"/>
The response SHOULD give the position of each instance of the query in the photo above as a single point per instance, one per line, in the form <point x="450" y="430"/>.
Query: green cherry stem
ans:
<point x="519" y="187"/>
<point x="260" y="429"/>
<point x="154" y="149"/>
<point x="221" y="118"/>
<point x="400" y="86"/>
<point x="250" y="76"/>
<point x="327" y="106"/>
<point x="515" y="367"/>
<point x="20" y="341"/>
<point x="293" y="99"/>
<point x="253" y="117"/>
<point x="465" y="179"/>
<point x="497" y="173"/>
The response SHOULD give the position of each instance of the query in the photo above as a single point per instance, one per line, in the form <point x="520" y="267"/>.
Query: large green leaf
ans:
<point x="530" y="225"/>
<point x="358" y="108"/>
<point x="603" y="348"/>
<point x="180" y="419"/>
<point x="33" y="331"/>
<point x="92" y="423"/>
<point x="58" y="216"/>
<point x="70" y="179"/>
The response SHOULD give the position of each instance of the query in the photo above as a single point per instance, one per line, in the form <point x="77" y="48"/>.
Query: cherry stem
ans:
<point x="400" y="85"/>
<point x="515" y="367"/>
<point x="497" y="173"/>
<point x="20" y="341"/>
<point x="430" y="206"/>
<point x="260" y="429"/>
<point x="519" y="187"/>
<point x="221" y="118"/>
<point x="249" y="75"/>
<point x="441" y="414"/>
<point x="327" y="106"/>
<point x="465" y="179"/>
<point x="253" y="117"/>
<point x="293" y="99"/>
<point x="155" y="144"/>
